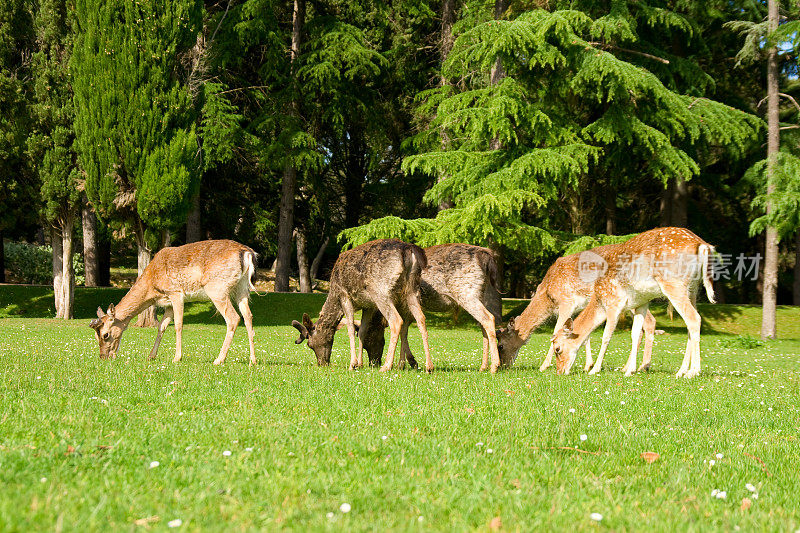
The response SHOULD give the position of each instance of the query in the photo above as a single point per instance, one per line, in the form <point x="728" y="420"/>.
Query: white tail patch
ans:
<point x="249" y="264"/>
<point x="705" y="252"/>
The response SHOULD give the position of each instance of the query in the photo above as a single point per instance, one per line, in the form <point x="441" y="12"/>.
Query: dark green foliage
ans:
<point x="135" y="117"/>
<point x="30" y="263"/>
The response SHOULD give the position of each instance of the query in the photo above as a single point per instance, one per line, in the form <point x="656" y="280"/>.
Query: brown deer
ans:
<point x="459" y="276"/>
<point x="219" y="271"/>
<point x="565" y="290"/>
<point x="668" y="262"/>
<point x="380" y="275"/>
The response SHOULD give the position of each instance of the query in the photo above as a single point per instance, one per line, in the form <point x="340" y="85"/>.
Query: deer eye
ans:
<point x="500" y="347"/>
<point x="106" y="335"/>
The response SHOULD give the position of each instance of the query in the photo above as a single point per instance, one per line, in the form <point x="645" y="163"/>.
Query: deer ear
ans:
<point x="111" y="310"/>
<point x="568" y="326"/>
<point x="510" y="324"/>
<point x="307" y="322"/>
<point x="302" y="329"/>
<point x="95" y="323"/>
<point x="100" y="313"/>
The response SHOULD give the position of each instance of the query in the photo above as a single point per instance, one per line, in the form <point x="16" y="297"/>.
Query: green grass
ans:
<point x="77" y="435"/>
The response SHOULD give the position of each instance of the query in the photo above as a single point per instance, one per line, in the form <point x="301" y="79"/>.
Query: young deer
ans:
<point x="667" y="262"/>
<point x="219" y="271"/>
<point x="379" y="275"/>
<point x="564" y="290"/>
<point x="459" y="276"/>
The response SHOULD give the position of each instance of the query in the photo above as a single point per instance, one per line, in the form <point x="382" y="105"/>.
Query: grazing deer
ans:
<point x="458" y="276"/>
<point x="380" y="275"/>
<point x="667" y="262"/>
<point x="219" y="271"/>
<point x="564" y="290"/>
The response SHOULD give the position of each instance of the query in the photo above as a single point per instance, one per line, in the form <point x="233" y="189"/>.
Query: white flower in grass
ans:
<point x="384" y="437"/>
<point x="489" y="450"/>
<point x="719" y="456"/>
<point x="345" y="507"/>
<point x="572" y="410"/>
<point x="721" y="495"/>
<point x="596" y="517"/>
<point x="715" y="492"/>
<point x="478" y="444"/>
<point x="248" y="449"/>
<point x="226" y="453"/>
<point x="750" y="487"/>
<point x="420" y="518"/>
<point x="583" y="438"/>
<point x="330" y="514"/>
<point x="175" y="523"/>
<point x="154" y="464"/>
<point x="43" y="480"/>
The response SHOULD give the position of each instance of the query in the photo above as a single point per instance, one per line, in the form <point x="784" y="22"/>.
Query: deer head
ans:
<point x="319" y="340"/>
<point x="565" y="347"/>
<point x="509" y="343"/>
<point x="108" y="331"/>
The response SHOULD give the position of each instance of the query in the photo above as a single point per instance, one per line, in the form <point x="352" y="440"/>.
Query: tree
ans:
<point x="134" y="115"/>
<point x="775" y="178"/>
<point x="570" y="107"/>
<point x="50" y="144"/>
<point x="16" y="37"/>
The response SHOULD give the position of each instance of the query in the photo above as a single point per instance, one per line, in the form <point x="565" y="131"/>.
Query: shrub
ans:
<point x="746" y="341"/>
<point x="34" y="264"/>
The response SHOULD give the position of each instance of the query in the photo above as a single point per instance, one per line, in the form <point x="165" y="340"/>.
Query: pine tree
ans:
<point x="50" y="145"/>
<point x="571" y="106"/>
<point x="134" y="115"/>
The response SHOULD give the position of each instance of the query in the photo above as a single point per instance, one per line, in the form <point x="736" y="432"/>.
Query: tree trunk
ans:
<point x="103" y="259"/>
<point x="90" y="258"/>
<point x="769" y="300"/>
<point x="680" y="197"/>
<point x="318" y="260"/>
<point x="147" y="318"/>
<point x="2" y="259"/>
<point x="57" y="243"/>
<point x="796" y="285"/>
<point x="666" y="204"/>
<point x="611" y="209"/>
<point x="286" y="218"/>
<point x="194" y="230"/>
<point x="302" y="261"/>
<point x="67" y="269"/>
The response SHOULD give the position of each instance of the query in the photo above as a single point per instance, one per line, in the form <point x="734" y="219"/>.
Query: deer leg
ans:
<point x="177" y="313"/>
<point x="636" y="337"/>
<point x="649" y="337"/>
<point x="475" y="307"/>
<point x="349" y="318"/>
<point x="223" y="304"/>
<point x="244" y="308"/>
<point x="416" y="310"/>
<point x="405" y="348"/>
<point x="162" y="327"/>
<point x="367" y="316"/>
<point x="564" y="312"/>
<point x="588" y="365"/>
<point x="395" y="325"/>
<point x="682" y="301"/>
<point x="485" y="354"/>
<point x="608" y="331"/>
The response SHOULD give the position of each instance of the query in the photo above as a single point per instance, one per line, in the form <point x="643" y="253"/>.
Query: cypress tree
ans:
<point x="134" y="114"/>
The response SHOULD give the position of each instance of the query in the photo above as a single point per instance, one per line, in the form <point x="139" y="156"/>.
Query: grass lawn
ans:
<point x="285" y="444"/>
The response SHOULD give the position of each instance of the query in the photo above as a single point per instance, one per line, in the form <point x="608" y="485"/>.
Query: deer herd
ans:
<point x="393" y="283"/>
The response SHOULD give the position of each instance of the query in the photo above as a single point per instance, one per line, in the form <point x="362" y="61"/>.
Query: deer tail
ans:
<point x="705" y="251"/>
<point x="415" y="254"/>
<point x="249" y="258"/>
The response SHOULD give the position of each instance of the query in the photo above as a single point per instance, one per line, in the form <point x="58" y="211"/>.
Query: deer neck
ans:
<point x="539" y="309"/>
<point x="331" y="313"/>
<point x="137" y="299"/>
<point x="588" y="320"/>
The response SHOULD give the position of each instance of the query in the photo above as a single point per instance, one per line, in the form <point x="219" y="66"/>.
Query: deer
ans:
<point x="378" y="276"/>
<point x="565" y="289"/>
<point x="459" y="276"/>
<point x="663" y="262"/>
<point x="218" y="270"/>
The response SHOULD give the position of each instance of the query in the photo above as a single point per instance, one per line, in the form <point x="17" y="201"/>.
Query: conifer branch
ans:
<point x="607" y="46"/>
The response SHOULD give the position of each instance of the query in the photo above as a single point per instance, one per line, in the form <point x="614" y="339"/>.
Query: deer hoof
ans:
<point x="594" y="371"/>
<point x="644" y="367"/>
<point x="218" y="361"/>
<point x="483" y="368"/>
<point x="385" y="368"/>
<point x="691" y="373"/>
<point x="494" y="369"/>
<point x="429" y="370"/>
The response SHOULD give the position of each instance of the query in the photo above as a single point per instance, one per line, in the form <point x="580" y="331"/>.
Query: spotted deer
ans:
<point x="459" y="276"/>
<point x="565" y="290"/>
<point x="668" y="262"/>
<point x="381" y="275"/>
<point x="217" y="270"/>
